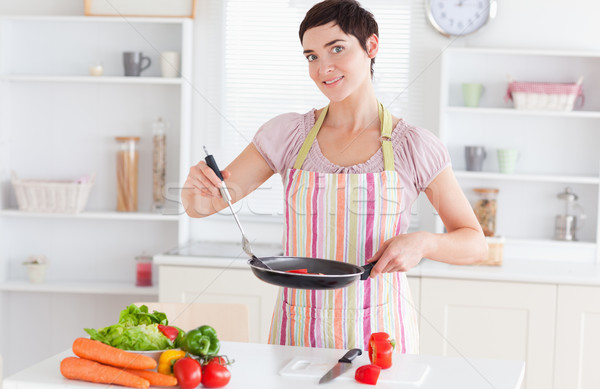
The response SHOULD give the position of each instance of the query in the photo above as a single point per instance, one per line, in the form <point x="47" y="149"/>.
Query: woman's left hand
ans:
<point x="400" y="253"/>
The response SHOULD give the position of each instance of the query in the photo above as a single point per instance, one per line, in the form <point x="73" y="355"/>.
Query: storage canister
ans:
<point x="485" y="209"/>
<point x="127" y="173"/>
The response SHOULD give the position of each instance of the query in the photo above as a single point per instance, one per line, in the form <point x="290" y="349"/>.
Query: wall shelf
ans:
<point x="101" y="215"/>
<point x="76" y="287"/>
<point x="517" y="112"/>
<point x="556" y="148"/>
<point x="93" y="80"/>
<point x="527" y="177"/>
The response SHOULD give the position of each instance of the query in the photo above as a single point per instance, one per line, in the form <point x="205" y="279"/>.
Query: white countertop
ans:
<point x="260" y="366"/>
<point x="227" y="255"/>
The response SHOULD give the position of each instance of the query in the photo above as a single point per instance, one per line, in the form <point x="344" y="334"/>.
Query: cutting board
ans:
<point x="401" y="373"/>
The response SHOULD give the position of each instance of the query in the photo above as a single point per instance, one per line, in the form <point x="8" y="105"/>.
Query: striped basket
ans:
<point x="544" y="95"/>
<point x="51" y="196"/>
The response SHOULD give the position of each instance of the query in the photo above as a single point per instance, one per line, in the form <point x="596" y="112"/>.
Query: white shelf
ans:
<point x="95" y="19"/>
<point x="518" y="112"/>
<point x="528" y="177"/>
<point x="105" y="215"/>
<point x="93" y="80"/>
<point x="77" y="287"/>
<point x="525" y="52"/>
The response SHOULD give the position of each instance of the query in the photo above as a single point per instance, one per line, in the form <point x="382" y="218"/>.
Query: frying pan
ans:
<point x="334" y="275"/>
<point x="329" y="274"/>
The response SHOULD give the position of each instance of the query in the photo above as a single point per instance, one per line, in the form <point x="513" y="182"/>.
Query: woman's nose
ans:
<point x="325" y="66"/>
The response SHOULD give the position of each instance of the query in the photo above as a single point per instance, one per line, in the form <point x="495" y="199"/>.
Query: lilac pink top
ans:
<point x="419" y="156"/>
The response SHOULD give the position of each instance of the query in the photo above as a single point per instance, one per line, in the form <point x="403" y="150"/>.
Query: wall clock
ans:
<point x="459" y="17"/>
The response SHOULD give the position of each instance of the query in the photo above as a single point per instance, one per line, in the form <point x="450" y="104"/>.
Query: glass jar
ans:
<point x="143" y="270"/>
<point x="485" y="209"/>
<point x="127" y="173"/>
<point x="159" y="144"/>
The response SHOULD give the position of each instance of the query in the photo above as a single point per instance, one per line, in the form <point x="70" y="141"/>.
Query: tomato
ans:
<point x="215" y="375"/>
<point x="381" y="349"/>
<point x="367" y="374"/>
<point x="188" y="372"/>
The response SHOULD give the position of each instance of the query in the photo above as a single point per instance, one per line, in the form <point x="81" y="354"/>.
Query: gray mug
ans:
<point x="474" y="156"/>
<point x="134" y="63"/>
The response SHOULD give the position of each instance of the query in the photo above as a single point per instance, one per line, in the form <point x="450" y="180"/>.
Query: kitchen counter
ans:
<point x="229" y="255"/>
<point x="261" y="365"/>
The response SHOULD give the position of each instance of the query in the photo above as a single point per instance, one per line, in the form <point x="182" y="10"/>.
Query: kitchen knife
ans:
<point x="342" y="366"/>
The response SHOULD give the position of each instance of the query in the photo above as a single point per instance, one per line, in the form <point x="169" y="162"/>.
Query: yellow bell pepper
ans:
<point x="167" y="359"/>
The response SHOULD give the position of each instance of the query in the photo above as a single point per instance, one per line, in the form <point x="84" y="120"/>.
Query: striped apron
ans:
<point x="344" y="217"/>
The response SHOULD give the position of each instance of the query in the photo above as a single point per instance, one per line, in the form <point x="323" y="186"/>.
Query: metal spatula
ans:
<point x="210" y="161"/>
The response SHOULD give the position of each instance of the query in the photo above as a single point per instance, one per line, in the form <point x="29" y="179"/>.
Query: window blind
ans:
<point x="263" y="73"/>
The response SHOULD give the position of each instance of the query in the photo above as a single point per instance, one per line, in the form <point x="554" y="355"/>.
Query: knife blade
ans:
<point x="343" y="365"/>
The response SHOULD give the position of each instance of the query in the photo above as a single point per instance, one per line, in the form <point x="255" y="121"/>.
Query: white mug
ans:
<point x="170" y="62"/>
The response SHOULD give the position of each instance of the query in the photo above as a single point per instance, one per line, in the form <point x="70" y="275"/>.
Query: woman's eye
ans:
<point x="338" y="49"/>
<point x="311" y="57"/>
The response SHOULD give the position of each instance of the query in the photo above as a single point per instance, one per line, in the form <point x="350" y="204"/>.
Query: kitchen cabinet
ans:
<point x="222" y="285"/>
<point x="556" y="149"/>
<point x="499" y="320"/>
<point x="577" y="337"/>
<point x="59" y="123"/>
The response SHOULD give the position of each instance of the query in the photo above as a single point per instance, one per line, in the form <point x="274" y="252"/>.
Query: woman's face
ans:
<point x="337" y="62"/>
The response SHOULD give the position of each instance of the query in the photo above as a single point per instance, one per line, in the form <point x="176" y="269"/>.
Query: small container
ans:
<point x="485" y="209"/>
<point x="143" y="270"/>
<point x="127" y="173"/>
<point x="495" y="251"/>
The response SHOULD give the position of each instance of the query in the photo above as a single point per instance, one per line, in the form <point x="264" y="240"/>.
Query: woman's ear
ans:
<point x="372" y="46"/>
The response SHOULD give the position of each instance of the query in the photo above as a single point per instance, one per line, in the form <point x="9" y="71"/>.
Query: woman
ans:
<point x="351" y="172"/>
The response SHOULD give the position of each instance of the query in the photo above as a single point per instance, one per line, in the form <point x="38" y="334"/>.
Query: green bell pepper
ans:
<point x="202" y="341"/>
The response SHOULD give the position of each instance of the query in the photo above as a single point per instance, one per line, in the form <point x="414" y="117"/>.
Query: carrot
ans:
<point x="81" y="369"/>
<point x="109" y="355"/>
<point x="155" y="379"/>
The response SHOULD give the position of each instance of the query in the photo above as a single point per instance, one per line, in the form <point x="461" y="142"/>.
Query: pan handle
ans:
<point x="367" y="270"/>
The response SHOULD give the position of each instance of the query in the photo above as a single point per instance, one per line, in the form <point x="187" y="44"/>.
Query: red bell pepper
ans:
<point x="299" y="271"/>
<point x="381" y="349"/>
<point x="169" y="332"/>
<point x="367" y="374"/>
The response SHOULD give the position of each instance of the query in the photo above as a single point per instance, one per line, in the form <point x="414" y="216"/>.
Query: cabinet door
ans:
<point x="577" y="337"/>
<point x="213" y="285"/>
<point x="497" y="320"/>
<point x="415" y="291"/>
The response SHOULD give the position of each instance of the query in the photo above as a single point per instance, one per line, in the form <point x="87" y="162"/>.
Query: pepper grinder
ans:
<point x="566" y="225"/>
<point x="159" y="143"/>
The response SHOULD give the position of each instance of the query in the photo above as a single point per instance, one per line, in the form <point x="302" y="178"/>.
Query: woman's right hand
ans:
<point x="204" y="181"/>
<point x="201" y="196"/>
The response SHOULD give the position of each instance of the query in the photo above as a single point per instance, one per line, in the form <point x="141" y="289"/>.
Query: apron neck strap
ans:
<point x="385" y="117"/>
<point x="386" y="138"/>
<point x="310" y="138"/>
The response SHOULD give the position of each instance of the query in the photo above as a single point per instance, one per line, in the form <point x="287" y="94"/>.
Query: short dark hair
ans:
<point x="349" y="15"/>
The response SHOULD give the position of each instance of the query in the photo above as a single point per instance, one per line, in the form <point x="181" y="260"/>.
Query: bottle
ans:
<point x="159" y="145"/>
<point x="485" y="209"/>
<point x="127" y="173"/>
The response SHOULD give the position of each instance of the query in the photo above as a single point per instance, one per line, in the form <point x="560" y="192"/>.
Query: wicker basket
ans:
<point x="544" y="95"/>
<point x="51" y="196"/>
<point x="495" y="251"/>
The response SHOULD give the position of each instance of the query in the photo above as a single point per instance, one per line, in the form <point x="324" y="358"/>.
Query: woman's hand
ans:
<point x="400" y="253"/>
<point x="201" y="196"/>
<point x="204" y="181"/>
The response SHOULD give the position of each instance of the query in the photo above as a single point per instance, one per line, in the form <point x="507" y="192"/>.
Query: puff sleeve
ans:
<point x="423" y="154"/>
<point x="279" y="140"/>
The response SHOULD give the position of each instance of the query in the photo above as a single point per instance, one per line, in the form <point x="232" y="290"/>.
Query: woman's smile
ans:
<point x="333" y="81"/>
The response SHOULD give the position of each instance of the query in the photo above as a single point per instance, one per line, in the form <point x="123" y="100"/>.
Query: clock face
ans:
<point x="460" y="17"/>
